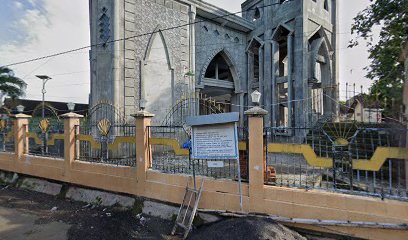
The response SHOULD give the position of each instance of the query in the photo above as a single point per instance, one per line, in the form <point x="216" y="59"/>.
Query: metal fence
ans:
<point x="342" y="161"/>
<point x="170" y="154"/>
<point x="7" y="135"/>
<point x="102" y="142"/>
<point x="46" y="138"/>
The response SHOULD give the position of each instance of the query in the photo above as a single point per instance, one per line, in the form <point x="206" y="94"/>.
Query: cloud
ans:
<point x="32" y="2"/>
<point x="50" y="27"/>
<point x="18" y="5"/>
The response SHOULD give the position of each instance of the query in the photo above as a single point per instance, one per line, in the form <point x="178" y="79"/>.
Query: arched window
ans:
<point x="326" y="5"/>
<point x="219" y="69"/>
<point x="257" y="14"/>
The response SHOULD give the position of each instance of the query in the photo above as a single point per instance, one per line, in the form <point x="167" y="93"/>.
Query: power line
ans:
<point x="137" y="36"/>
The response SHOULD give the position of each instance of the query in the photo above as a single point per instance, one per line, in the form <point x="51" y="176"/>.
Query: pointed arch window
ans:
<point x="326" y="5"/>
<point x="219" y="69"/>
<point x="257" y="14"/>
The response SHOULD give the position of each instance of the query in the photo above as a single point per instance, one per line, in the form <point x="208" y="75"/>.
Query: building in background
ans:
<point x="34" y="107"/>
<point x="287" y="50"/>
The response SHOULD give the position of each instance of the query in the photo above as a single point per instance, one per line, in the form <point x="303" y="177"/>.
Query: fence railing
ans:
<point x="170" y="154"/>
<point x="359" y="160"/>
<point x="7" y="135"/>
<point x="46" y="138"/>
<point x="104" y="143"/>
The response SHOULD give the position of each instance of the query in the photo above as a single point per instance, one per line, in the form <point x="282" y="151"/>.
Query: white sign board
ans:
<point x="215" y="142"/>
<point x="215" y="164"/>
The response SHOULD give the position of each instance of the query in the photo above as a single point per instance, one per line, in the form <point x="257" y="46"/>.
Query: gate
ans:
<point x="197" y="104"/>
<point x="104" y="136"/>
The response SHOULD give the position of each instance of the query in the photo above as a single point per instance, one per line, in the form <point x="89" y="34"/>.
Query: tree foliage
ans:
<point x="387" y="73"/>
<point x="11" y="85"/>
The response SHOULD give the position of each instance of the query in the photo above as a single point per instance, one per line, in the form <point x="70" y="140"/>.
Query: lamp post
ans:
<point x="44" y="79"/>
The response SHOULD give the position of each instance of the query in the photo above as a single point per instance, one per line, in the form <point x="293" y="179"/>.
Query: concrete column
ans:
<point x="274" y="87"/>
<point x="118" y="50"/>
<point x="290" y="80"/>
<point x="267" y="81"/>
<point x="71" y="146"/>
<point x="192" y="55"/>
<point x="261" y="75"/>
<point x="250" y="63"/>
<point x="256" y="158"/>
<point x="143" y="150"/>
<point x="241" y="109"/>
<point x="142" y="102"/>
<point x="20" y="135"/>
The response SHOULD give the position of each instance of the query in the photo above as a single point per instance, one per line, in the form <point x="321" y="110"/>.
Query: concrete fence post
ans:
<point x="71" y="120"/>
<point x="256" y="157"/>
<point x="143" y="151"/>
<point x="21" y="135"/>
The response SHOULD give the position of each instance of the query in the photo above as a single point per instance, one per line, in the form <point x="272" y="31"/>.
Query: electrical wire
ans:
<point x="141" y="35"/>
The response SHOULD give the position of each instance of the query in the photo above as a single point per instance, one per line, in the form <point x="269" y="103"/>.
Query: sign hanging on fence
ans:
<point x="214" y="136"/>
<point x="215" y="142"/>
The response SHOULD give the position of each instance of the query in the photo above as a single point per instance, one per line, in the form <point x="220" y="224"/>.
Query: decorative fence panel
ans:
<point x="7" y="135"/>
<point x="343" y="157"/>
<point x="46" y="137"/>
<point x="170" y="154"/>
<point x="107" y="143"/>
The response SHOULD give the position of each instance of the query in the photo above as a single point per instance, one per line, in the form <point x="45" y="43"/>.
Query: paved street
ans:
<point x="17" y="225"/>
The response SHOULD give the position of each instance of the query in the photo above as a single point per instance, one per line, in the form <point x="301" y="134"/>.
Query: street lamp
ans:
<point x="44" y="79"/>
<point x="20" y="108"/>
<point x="71" y="106"/>
<point x="256" y="97"/>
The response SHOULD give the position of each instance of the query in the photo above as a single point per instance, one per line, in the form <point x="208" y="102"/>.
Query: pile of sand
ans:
<point x="245" y="228"/>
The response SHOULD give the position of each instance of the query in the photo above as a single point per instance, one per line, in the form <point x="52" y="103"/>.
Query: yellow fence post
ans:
<point x="71" y="120"/>
<point x="256" y="158"/>
<point x="20" y="137"/>
<point x="143" y="153"/>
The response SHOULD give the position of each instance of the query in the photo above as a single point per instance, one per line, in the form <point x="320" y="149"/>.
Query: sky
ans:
<point x="35" y="28"/>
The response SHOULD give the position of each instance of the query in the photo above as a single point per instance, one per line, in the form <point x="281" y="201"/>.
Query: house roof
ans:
<point x="31" y="105"/>
<point x="362" y="99"/>
<point x="221" y="16"/>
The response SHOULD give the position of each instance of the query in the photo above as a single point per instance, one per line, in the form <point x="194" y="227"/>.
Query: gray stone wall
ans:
<point x="144" y="16"/>
<point x="117" y="69"/>
<point x="211" y="39"/>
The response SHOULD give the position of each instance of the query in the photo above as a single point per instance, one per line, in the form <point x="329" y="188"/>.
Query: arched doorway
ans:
<point x="323" y="86"/>
<point x="219" y="84"/>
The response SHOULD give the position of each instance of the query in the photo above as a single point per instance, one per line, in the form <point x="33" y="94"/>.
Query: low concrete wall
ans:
<point x="218" y="194"/>
<point x="223" y="195"/>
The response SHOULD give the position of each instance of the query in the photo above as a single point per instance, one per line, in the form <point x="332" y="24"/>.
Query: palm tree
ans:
<point x="11" y="85"/>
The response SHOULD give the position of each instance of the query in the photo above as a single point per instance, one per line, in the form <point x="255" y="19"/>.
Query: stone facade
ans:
<point x="154" y="65"/>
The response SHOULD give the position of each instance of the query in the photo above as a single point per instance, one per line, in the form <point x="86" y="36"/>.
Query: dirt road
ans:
<point x="30" y="215"/>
